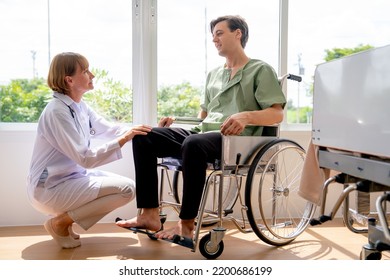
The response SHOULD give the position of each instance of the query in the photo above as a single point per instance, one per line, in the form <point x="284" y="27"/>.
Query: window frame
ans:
<point x="144" y="66"/>
<point x="145" y="15"/>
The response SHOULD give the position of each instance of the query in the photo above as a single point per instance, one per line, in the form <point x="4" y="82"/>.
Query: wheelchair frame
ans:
<point x="362" y="176"/>
<point x="269" y="205"/>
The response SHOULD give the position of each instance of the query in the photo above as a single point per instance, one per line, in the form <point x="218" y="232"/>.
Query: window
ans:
<point x="102" y="31"/>
<point x="33" y="32"/>
<point x="317" y="26"/>
<point x="186" y="51"/>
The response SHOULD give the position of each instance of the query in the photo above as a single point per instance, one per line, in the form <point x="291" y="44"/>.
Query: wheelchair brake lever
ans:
<point x="238" y="158"/>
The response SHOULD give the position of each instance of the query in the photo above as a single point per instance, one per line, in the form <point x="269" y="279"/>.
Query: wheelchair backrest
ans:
<point x="246" y="146"/>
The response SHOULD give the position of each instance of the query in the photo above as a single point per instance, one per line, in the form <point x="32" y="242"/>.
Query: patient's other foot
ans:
<point x="148" y="219"/>
<point x="183" y="228"/>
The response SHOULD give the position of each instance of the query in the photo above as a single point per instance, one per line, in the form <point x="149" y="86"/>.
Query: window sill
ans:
<point x="296" y="127"/>
<point x="12" y="127"/>
<point x="33" y="126"/>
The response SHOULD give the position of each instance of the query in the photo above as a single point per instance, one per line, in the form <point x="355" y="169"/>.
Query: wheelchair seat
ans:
<point x="248" y="142"/>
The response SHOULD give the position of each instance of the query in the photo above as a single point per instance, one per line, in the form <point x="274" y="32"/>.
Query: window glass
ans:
<point x="186" y="51"/>
<point x="33" y="32"/>
<point x="317" y="26"/>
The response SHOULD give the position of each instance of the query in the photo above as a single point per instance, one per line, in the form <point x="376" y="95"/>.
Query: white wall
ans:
<point x="16" y="148"/>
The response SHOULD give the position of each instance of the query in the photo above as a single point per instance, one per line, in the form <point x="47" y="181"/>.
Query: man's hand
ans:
<point x="235" y="124"/>
<point x="166" y="121"/>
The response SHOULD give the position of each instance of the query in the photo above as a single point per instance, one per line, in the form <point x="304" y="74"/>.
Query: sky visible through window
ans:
<point x="101" y="30"/>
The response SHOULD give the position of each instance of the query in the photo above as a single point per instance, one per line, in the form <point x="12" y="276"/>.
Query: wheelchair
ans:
<point x="258" y="177"/>
<point x="359" y="189"/>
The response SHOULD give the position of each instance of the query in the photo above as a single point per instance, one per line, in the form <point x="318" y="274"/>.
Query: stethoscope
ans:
<point x="72" y="112"/>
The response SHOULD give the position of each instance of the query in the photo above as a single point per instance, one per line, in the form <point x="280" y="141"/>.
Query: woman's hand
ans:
<point x="138" y="130"/>
<point x="135" y="130"/>
<point x="166" y="121"/>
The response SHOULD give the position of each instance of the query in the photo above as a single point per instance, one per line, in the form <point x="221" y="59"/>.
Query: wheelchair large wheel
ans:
<point x="277" y="214"/>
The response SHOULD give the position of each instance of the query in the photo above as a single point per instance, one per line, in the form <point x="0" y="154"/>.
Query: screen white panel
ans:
<point x="351" y="109"/>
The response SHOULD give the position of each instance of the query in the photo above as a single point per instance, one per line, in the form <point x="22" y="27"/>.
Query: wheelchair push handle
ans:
<point x="294" y="77"/>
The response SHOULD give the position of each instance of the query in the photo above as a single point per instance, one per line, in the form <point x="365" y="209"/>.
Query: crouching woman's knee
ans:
<point x="128" y="190"/>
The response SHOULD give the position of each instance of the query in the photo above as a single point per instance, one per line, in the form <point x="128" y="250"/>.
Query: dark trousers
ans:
<point x="195" y="150"/>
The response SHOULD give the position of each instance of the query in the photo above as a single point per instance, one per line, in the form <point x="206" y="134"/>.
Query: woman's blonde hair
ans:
<point x="62" y="65"/>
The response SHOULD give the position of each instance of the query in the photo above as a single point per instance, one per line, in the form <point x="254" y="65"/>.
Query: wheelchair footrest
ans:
<point x="182" y="241"/>
<point x="321" y="220"/>
<point x="315" y="222"/>
<point x="177" y="239"/>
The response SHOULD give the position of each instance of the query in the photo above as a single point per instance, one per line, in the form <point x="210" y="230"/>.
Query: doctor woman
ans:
<point x="62" y="182"/>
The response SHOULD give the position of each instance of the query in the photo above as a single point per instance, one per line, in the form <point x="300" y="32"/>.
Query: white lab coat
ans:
<point x="63" y="155"/>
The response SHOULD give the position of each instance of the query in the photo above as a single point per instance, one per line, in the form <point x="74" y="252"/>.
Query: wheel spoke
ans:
<point x="272" y="193"/>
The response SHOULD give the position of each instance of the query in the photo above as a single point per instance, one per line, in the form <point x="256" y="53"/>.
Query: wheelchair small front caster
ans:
<point x="370" y="253"/>
<point x="208" y="250"/>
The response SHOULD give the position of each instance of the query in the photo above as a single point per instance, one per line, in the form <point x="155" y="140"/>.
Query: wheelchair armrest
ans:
<point x="269" y="130"/>
<point x="188" y="120"/>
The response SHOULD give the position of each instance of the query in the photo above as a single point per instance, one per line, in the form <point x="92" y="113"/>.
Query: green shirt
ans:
<point x="254" y="87"/>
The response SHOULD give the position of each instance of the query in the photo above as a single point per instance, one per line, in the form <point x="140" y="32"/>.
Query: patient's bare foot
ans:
<point x="148" y="219"/>
<point x="183" y="228"/>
